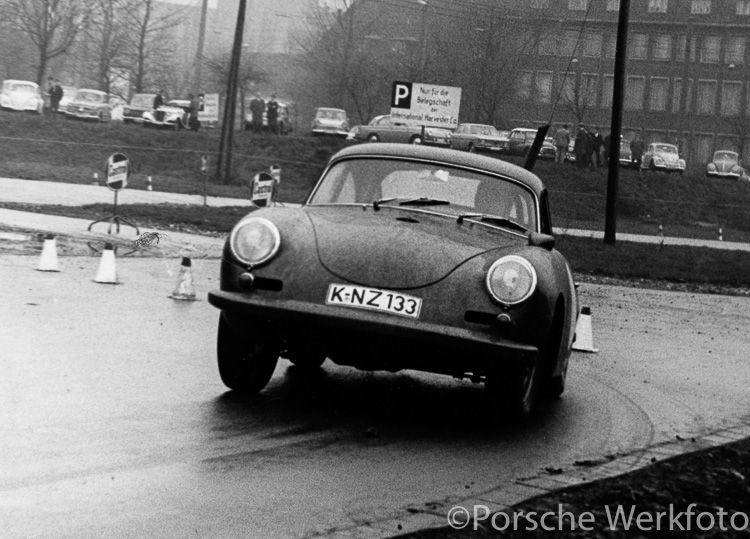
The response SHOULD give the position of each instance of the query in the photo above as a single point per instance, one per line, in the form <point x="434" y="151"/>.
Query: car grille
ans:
<point x="160" y="115"/>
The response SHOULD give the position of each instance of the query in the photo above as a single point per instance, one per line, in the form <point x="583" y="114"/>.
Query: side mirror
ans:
<point x="263" y="189"/>
<point x="545" y="241"/>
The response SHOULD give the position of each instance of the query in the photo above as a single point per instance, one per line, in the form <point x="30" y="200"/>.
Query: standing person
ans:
<point x="193" y="122"/>
<point x="158" y="100"/>
<point x="257" y="108"/>
<point x="562" y="141"/>
<point x="272" y="112"/>
<point x="605" y="148"/>
<point x="636" y="151"/>
<point x="598" y="143"/>
<point x="579" y="146"/>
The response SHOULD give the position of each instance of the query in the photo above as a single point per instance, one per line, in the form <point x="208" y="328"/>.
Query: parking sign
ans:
<point x="417" y="104"/>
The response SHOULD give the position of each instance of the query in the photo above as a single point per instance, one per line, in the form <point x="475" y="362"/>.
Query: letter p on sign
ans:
<point x="401" y="96"/>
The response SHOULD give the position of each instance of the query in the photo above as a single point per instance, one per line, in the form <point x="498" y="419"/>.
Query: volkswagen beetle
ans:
<point x="403" y="257"/>
<point x="662" y="157"/>
<point x="725" y="164"/>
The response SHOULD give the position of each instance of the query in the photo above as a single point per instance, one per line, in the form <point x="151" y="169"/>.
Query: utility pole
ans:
<point x="199" y="52"/>
<point x="227" y="125"/>
<point x="618" y="95"/>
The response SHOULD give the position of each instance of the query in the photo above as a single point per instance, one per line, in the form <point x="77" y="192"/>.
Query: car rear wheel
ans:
<point x="373" y="138"/>
<point x="247" y="359"/>
<point x="415" y="140"/>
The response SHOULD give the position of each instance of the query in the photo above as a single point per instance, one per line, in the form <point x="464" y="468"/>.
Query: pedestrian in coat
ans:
<point x="636" y="151"/>
<point x="257" y="108"/>
<point x="605" y="147"/>
<point x="562" y="141"/>
<point x="598" y="142"/>
<point x="579" y="146"/>
<point x="272" y="113"/>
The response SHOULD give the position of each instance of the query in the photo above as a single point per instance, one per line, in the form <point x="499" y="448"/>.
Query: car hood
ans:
<point x="397" y="248"/>
<point x="329" y="122"/>
<point x="669" y="158"/>
<point x="87" y="104"/>
<point x="724" y="165"/>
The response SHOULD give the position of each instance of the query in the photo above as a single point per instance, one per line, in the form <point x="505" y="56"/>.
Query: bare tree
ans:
<point x="110" y="40"/>
<point x="149" y="56"/>
<point x="51" y="25"/>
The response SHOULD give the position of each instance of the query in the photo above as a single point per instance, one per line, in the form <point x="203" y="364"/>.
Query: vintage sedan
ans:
<point x="403" y="257"/>
<point x="520" y="141"/>
<point x="173" y="115"/>
<point x="725" y="164"/>
<point x="140" y="103"/>
<point x="329" y="121"/>
<point x="90" y="105"/>
<point x="478" y="138"/>
<point x="660" y="156"/>
<point x="548" y="150"/>
<point x="383" y="129"/>
<point x="21" y="95"/>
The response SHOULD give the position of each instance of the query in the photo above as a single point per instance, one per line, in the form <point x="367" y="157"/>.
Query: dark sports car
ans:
<point x="403" y="257"/>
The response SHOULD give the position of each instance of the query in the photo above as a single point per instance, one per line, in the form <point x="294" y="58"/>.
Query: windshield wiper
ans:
<point x="492" y="219"/>
<point x="402" y="201"/>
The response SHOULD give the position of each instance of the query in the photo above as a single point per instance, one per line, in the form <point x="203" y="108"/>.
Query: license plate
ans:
<point x="362" y="297"/>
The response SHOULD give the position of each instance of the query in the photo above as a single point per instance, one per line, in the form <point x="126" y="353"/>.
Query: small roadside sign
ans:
<point x="417" y="104"/>
<point x="118" y="171"/>
<point x="209" y="107"/>
<point x="262" y="189"/>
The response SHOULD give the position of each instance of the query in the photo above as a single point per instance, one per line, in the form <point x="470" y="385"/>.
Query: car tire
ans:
<point x="307" y="360"/>
<point x="416" y="139"/>
<point x="513" y="393"/>
<point x="372" y="137"/>
<point x="246" y="359"/>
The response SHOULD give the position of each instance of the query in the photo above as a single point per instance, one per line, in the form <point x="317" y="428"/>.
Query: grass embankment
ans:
<point x="56" y="149"/>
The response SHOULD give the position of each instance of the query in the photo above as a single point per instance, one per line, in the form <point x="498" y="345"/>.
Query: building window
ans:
<point x="676" y="96"/>
<point x="592" y="45"/>
<point x="610" y="47"/>
<point x="680" y="48"/>
<point x="662" y="47"/>
<point x="568" y="47"/>
<point x="735" y="53"/>
<point x="608" y="91"/>
<point x="589" y="86"/>
<point x="659" y="93"/>
<point x="710" y="49"/>
<point x="634" y="91"/>
<point x="614" y="5"/>
<point x="544" y="87"/>
<point x="657" y="6"/>
<point x="547" y="45"/>
<point x="731" y="97"/>
<point x="567" y="82"/>
<point x="638" y="49"/>
<point x="523" y="88"/>
<point x="578" y="5"/>
<point x="706" y="97"/>
<point x="539" y="4"/>
<point x="700" y="7"/>
<point x="743" y="7"/>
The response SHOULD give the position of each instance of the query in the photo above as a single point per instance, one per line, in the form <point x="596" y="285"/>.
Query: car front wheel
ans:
<point x="246" y="359"/>
<point x="513" y="392"/>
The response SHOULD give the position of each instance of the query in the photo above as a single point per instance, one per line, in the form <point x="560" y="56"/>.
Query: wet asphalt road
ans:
<point x="115" y="422"/>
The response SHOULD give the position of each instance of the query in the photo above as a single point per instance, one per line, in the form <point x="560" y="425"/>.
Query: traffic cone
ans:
<point x="584" y="338"/>
<point x="48" y="260"/>
<point x="107" y="273"/>
<point x="184" y="290"/>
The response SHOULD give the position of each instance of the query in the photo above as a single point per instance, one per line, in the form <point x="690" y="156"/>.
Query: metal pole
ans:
<point x="232" y="89"/>
<point x="610" y="220"/>
<point x="199" y="52"/>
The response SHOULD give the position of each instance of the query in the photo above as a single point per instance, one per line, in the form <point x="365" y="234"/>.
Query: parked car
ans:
<point x="284" y="121"/>
<point x="90" y="104"/>
<point x="329" y="121"/>
<point x="548" y="150"/>
<point x="173" y="115"/>
<point x="69" y="92"/>
<point x="520" y="141"/>
<point x="140" y="103"/>
<point x="664" y="157"/>
<point x="478" y="138"/>
<point x="725" y="164"/>
<point x="383" y="129"/>
<point x="626" y="156"/>
<point x="403" y="257"/>
<point x="21" y="95"/>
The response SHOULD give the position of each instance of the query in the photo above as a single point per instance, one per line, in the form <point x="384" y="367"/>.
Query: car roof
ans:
<point x="18" y="80"/>
<point x="525" y="129"/>
<point x="452" y="157"/>
<point x="91" y="90"/>
<point x="480" y="125"/>
<point x="329" y="108"/>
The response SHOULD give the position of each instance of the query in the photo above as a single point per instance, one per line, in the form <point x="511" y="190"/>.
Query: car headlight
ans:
<point x="681" y="163"/>
<point x="255" y="241"/>
<point x="735" y="169"/>
<point x="711" y="167"/>
<point x="511" y="280"/>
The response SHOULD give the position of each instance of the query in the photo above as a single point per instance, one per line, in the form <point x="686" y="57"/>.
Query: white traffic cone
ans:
<point x="48" y="260"/>
<point x="184" y="289"/>
<point x="107" y="273"/>
<point x="584" y="339"/>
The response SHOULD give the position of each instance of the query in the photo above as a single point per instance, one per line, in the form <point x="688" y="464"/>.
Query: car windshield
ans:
<point x="725" y="156"/>
<point x="143" y="100"/>
<point x="331" y="114"/>
<point x="460" y="191"/>
<point x="484" y="130"/>
<point x="91" y="97"/>
<point x="665" y="148"/>
<point x="22" y="87"/>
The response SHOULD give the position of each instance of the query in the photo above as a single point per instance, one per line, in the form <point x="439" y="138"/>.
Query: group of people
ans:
<point x="55" y="92"/>
<point x="590" y="148"/>
<point x="271" y="109"/>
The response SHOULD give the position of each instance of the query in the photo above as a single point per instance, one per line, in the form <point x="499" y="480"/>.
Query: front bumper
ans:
<point x="329" y="131"/>
<point x="383" y="341"/>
